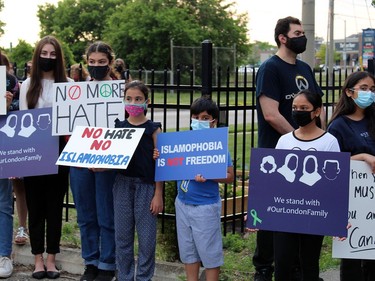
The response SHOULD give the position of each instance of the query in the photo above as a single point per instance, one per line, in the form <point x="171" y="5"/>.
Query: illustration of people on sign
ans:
<point x="27" y="124"/>
<point x="330" y="170"/>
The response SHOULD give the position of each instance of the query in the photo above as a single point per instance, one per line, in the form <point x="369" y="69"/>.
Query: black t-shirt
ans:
<point x="352" y="135"/>
<point x="281" y="81"/>
<point x="142" y="164"/>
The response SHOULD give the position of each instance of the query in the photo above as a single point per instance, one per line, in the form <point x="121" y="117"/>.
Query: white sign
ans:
<point x="93" y="104"/>
<point x="95" y="147"/>
<point x="3" y="87"/>
<point x="360" y="241"/>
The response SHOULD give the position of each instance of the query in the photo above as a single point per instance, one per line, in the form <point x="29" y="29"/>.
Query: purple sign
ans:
<point x="183" y="155"/>
<point x="27" y="145"/>
<point x="299" y="191"/>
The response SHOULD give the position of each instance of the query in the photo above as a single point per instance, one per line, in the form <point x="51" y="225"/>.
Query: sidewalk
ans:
<point x="71" y="265"/>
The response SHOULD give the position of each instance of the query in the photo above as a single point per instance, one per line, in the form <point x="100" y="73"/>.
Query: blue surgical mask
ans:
<point x="200" y="124"/>
<point x="364" y="99"/>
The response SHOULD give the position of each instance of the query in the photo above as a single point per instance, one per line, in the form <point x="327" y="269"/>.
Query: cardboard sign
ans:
<point x="95" y="147"/>
<point x="183" y="155"/>
<point x="360" y="242"/>
<point x="93" y="104"/>
<point x="27" y="146"/>
<point x="3" y="86"/>
<point x="298" y="191"/>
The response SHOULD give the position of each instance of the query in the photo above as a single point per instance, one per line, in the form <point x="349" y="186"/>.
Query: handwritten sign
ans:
<point x="94" y="104"/>
<point x="27" y="147"/>
<point x="294" y="191"/>
<point x="95" y="147"/>
<point x="183" y="155"/>
<point x="360" y="242"/>
<point x="3" y="102"/>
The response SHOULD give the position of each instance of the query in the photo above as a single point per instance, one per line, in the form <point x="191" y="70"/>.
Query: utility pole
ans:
<point x="331" y="42"/>
<point x="308" y="21"/>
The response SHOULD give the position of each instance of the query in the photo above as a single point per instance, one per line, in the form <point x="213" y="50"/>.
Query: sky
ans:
<point x="22" y="22"/>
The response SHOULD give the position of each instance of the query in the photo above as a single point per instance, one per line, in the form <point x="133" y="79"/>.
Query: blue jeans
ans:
<point x="92" y="193"/>
<point x="6" y="217"/>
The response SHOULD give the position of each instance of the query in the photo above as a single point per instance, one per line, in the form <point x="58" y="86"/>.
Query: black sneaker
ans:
<point x="91" y="271"/>
<point x="105" y="275"/>
<point x="263" y="275"/>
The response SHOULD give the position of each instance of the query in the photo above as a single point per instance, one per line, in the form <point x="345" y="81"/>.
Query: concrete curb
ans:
<point x="69" y="260"/>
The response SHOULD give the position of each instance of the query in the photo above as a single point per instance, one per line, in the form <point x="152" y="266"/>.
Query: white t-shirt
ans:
<point x="325" y="142"/>
<point x="45" y="99"/>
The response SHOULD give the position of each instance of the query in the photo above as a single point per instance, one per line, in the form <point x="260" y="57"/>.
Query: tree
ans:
<point x="145" y="36"/>
<point x="321" y="54"/>
<point x="140" y="31"/>
<point x="2" y="24"/>
<point x="21" y="54"/>
<point x="76" y="22"/>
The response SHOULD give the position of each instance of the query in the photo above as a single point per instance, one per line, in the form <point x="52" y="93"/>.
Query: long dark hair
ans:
<point x="346" y="105"/>
<point x="59" y="73"/>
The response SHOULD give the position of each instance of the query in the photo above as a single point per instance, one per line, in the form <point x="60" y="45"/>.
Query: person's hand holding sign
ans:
<point x="199" y="178"/>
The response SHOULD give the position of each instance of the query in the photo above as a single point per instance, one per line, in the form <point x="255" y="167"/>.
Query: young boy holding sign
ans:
<point x="137" y="197"/>
<point x="198" y="207"/>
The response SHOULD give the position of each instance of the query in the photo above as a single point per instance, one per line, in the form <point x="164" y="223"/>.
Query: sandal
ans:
<point x="21" y="236"/>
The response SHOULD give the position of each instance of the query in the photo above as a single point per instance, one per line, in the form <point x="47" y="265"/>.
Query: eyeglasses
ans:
<point x="364" y="88"/>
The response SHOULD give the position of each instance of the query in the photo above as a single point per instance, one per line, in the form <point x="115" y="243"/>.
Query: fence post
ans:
<point x="206" y="67"/>
<point x="371" y="66"/>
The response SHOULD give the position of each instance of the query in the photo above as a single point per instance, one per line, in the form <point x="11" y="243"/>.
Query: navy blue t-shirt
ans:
<point x="281" y="81"/>
<point x="142" y="164"/>
<point x="352" y="135"/>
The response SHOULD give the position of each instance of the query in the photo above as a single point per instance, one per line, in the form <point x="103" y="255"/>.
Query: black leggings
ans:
<point x="289" y="245"/>
<point x="45" y="197"/>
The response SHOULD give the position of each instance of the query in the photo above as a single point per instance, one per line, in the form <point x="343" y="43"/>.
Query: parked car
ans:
<point x="323" y="67"/>
<point x="249" y="68"/>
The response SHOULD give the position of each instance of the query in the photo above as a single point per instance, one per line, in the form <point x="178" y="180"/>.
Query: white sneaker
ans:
<point x="6" y="267"/>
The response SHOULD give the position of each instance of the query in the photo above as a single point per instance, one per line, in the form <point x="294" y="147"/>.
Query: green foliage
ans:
<point x="321" y="54"/>
<point x="76" y="22"/>
<point x="145" y="36"/>
<point x="141" y="31"/>
<point x="20" y="54"/>
<point x="2" y="24"/>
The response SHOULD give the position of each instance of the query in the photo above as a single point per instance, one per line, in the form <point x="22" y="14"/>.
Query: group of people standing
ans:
<point x="290" y="116"/>
<point x="111" y="205"/>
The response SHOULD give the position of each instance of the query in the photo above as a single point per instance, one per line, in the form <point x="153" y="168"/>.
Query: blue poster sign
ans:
<point x="27" y="145"/>
<point x="299" y="191"/>
<point x="185" y="154"/>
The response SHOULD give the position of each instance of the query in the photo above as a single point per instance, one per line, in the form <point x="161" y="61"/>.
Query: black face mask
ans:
<point x="98" y="72"/>
<point x="47" y="64"/>
<point x="118" y="68"/>
<point x="302" y="118"/>
<point x="296" y="44"/>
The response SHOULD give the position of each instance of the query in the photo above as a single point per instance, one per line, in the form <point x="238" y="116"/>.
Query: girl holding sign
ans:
<point x="306" y="109"/>
<point x="353" y="124"/>
<point x="137" y="197"/>
<point x="92" y="192"/>
<point x="45" y="194"/>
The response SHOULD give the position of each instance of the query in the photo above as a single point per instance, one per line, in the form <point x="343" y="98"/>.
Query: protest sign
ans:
<point x="360" y="242"/>
<point x="93" y="103"/>
<point x="95" y="147"/>
<point x="183" y="155"/>
<point x="294" y="191"/>
<point x="27" y="146"/>
<point x="3" y="102"/>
